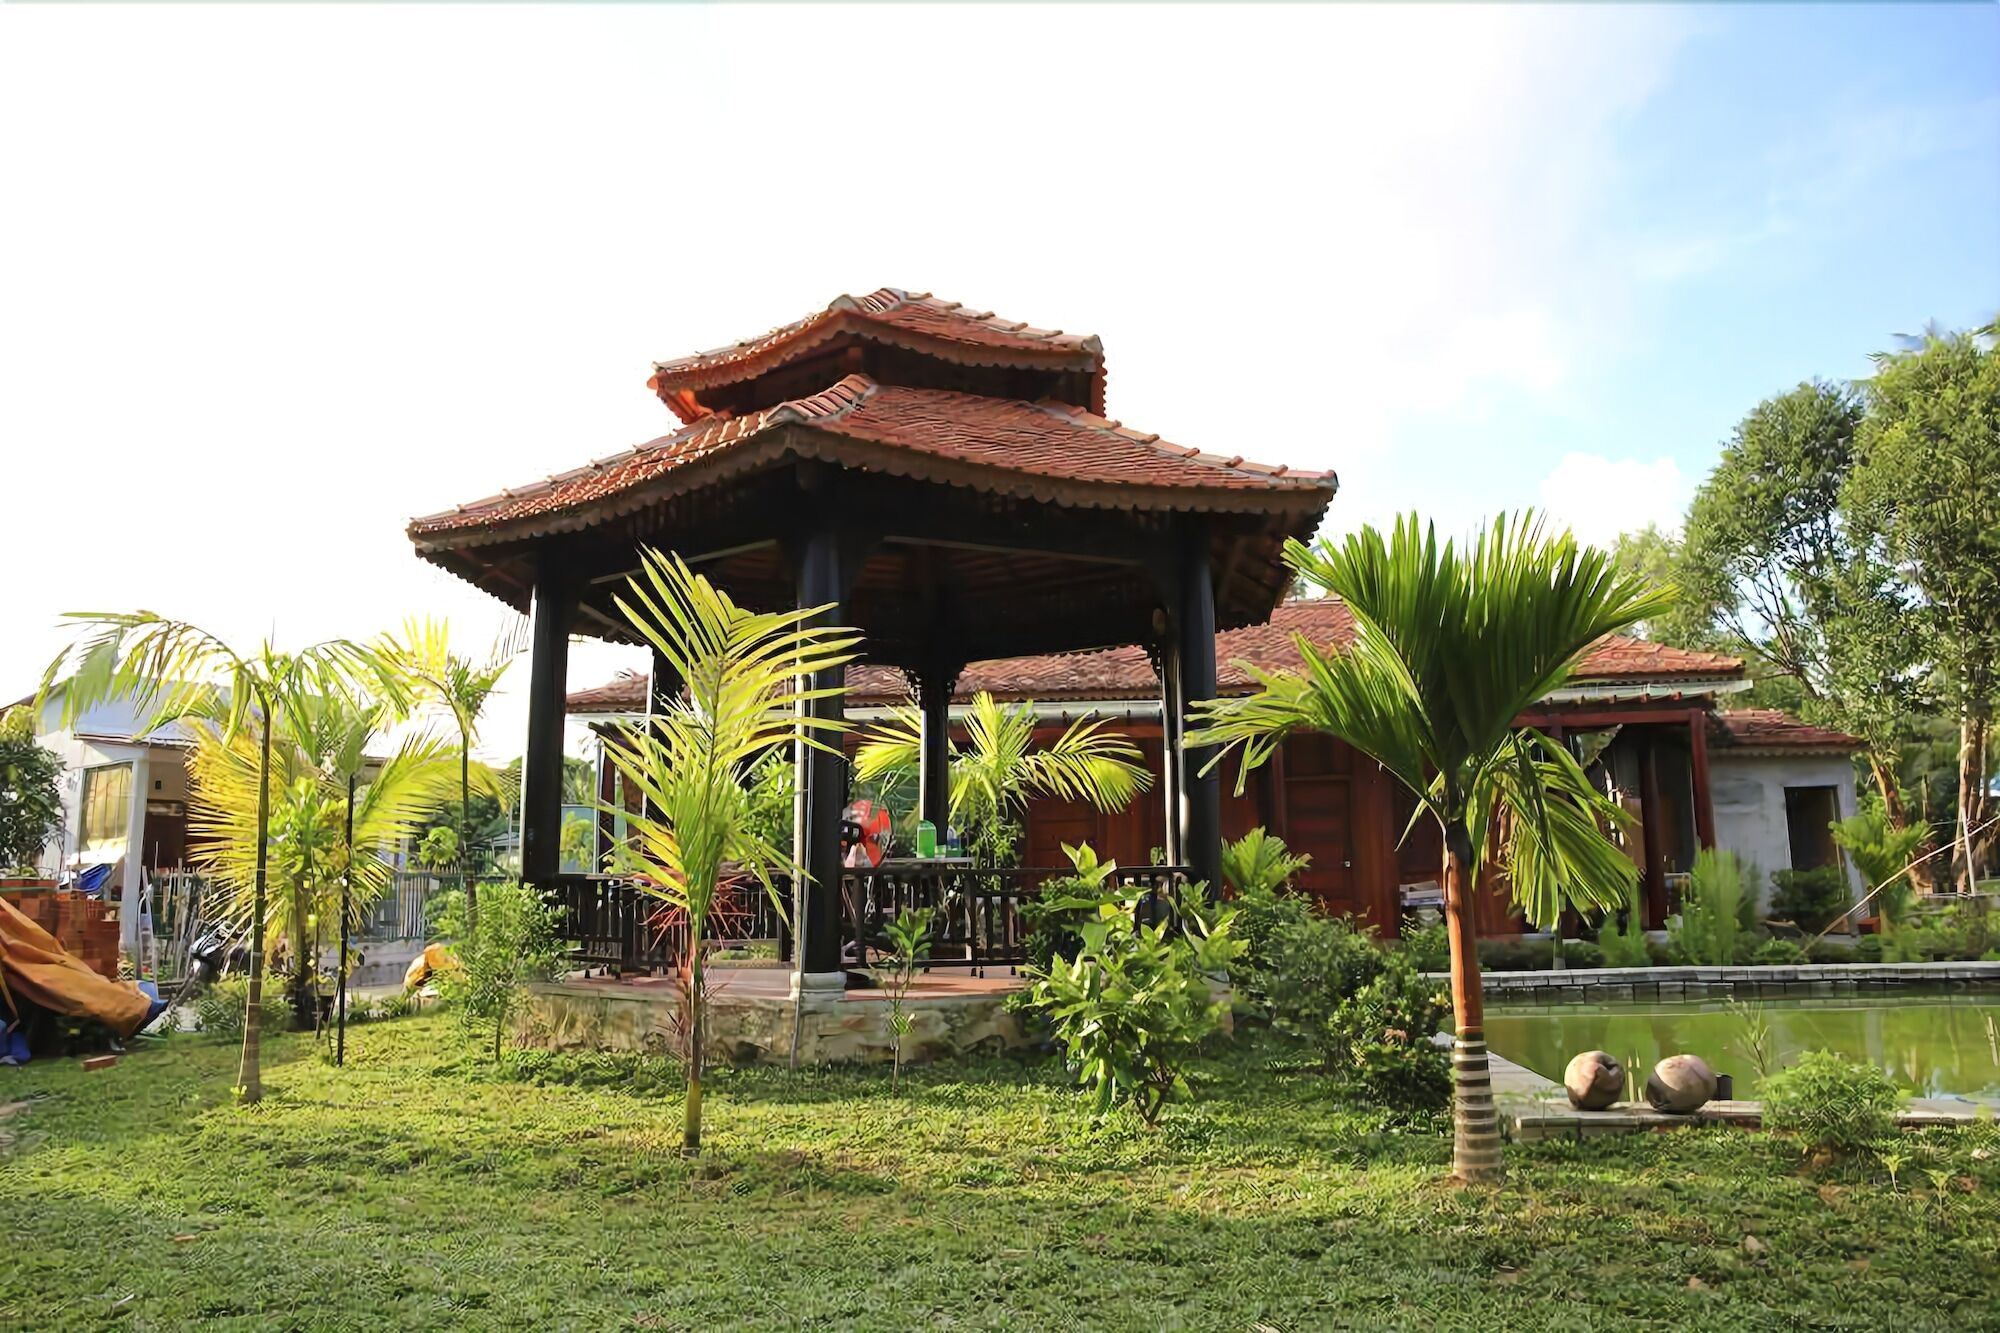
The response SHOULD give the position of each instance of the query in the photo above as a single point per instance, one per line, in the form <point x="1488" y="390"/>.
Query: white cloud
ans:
<point x="1599" y="498"/>
<point x="278" y="279"/>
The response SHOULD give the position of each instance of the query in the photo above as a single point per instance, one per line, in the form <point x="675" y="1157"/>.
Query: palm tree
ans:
<point x="462" y="686"/>
<point x="319" y="746"/>
<point x="188" y="672"/>
<point x="1450" y="646"/>
<point x="692" y="763"/>
<point x="999" y="769"/>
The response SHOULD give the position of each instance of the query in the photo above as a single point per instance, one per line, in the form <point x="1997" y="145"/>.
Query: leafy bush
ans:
<point x="1779" y="952"/>
<point x="1830" y="951"/>
<point x="1582" y="953"/>
<point x="1829" y="1102"/>
<point x="1386" y="1029"/>
<point x="30" y="792"/>
<point x="1813" y="899"/>
<point x="1315" y="965"/>
<point x="1868" y="949"/>
<point x="1429" y="948"/>
<point x="220" y="1008"/>
<point x="1259" y="871"/>
<point x="1708" y="930"/>
<point x="1882" y="856"/>
<point x="1624" y="942"/>
<point x="1054" y="917"/>
<point x="514" y="943"/>
<point x="1133" y="1005"/>
<point x="1515" y="954"/>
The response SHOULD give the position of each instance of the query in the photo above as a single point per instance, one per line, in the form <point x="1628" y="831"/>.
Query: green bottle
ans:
<point x="926" y="838"/>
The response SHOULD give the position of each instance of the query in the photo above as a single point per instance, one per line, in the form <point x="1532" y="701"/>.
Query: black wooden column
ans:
<point x="663" y="686"/>
<point x="1166" y="663"/>
<point x="822" y="778"/>
<point x="548" y="676"/>
<point x="1202" y="831"/>
<point x="934" y="688"/>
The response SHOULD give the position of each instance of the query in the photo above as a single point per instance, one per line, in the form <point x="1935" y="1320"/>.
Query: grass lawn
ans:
<point x="422" y="1188"/>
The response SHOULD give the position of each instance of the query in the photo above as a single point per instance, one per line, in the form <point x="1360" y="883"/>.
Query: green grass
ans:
<point x="422" y="1188"/>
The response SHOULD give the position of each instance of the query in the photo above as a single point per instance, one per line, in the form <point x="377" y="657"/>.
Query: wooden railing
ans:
<point x="976" y="921"/>
<point x="609" y="923"/>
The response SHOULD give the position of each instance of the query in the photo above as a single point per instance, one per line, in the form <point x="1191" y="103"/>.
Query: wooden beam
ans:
<point x="548" y="674"/>
<point x="1704" y="797"/>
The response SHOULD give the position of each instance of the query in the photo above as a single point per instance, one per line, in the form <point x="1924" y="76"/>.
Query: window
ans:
<point x="107" y="807"/>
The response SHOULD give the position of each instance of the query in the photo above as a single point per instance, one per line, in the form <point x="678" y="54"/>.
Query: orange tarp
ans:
<point x="36" y="968"/>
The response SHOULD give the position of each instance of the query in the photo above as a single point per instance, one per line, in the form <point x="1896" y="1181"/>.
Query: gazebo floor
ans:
<point x="752" y="1017"/>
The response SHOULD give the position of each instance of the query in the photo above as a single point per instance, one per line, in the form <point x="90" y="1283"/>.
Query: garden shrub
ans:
<point x="1134" y="1004"/>
<point x="1053" y="917"/>
<point x="1779" y="952"/>
<point x="1882" y="856"/>
<point x="1830" y="1103"/>
<point x="1429" y="947"/>
<point x="1622" y="936"/>
<point x="1315" y="966"/>
<point x="1709" y="929"/>
<point x="513" y="943"/>
<point x="1582" y="953"/>
<point x="219" y="1008"/>
<point x="1386" y="1028"/>
<point x="1516" y="954"/>
<point x="1868" y="949"/>
<point x="1831" y="951"/>
<point x="1259" y="872"/>
<point x="1812" y="899"/>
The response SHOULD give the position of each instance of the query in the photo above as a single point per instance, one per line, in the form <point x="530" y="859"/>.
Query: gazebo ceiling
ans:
<point x="980" y="525"/>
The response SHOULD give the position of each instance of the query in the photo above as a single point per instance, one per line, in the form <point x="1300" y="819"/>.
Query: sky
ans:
<point x="278" y="278"/>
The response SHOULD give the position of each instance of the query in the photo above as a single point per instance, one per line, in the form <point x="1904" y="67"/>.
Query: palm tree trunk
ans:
<point x="465" y="875"/>
<point x="1475" y="1153"/>
<point x="302" y="962"/>
<point x="250" y="1074"/>
<point x="1883" y="771"/>
<point x="697" y="1038"/>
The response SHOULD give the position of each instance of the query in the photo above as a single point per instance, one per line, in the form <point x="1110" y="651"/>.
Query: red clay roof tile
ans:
<point x="995" y="438"/>
<point x="1127" y="673"/>
<point x="1775" y="729"/>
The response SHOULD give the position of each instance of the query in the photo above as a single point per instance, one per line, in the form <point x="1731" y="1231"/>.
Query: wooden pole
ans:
<point x="1203" y="800"/>
<point x="1704" y="796"/>
<point x="541" y="770"/>
<point x="346" y="897"/>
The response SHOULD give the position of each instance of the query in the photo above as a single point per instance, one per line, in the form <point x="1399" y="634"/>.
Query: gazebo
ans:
<point x="945" y="479"/>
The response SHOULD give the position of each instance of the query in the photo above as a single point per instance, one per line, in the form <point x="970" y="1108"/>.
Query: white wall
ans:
<point x="1749" y="793"/>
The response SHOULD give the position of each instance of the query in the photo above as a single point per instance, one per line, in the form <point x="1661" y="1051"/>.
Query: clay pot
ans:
<point x="1594" y="1081"/>
<point x="1680" y="1085"/>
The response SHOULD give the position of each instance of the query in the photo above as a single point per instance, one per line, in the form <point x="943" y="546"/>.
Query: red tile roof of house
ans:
<point x="1048" y="450"/>
<point x="1775" y="729"/>
<point x="1127" y="673"/>
<point x="918" y="320"/>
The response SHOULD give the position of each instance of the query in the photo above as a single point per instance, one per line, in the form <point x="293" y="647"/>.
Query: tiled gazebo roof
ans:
<point x="922" y="322"/>
<point x="1775" y="729"/>
<point x="1046" y="451"/>
<point x="1127" y="673"/>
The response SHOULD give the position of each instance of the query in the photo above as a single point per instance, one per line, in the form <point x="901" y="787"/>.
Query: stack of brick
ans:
<point x="79" y="922"/>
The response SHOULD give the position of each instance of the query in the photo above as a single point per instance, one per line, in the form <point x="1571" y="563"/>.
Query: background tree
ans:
<point x="1450" y="647"/>
<point x="1928" y="485"/>
<point x="1000" y="767"/>
<point x="30" y="792"/>
<point x="1772" y="559"/>
<point x="189" y="672"/>
<point x="694" y="762"/>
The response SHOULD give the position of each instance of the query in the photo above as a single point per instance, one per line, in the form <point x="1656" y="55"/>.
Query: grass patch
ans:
<point x="424" y="1187"/>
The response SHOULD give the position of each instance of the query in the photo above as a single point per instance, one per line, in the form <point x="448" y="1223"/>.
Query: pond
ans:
<point x="1932" y="1045"/>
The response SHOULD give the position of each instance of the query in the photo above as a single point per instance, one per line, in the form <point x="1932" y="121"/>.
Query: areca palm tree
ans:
<point x="1450" y="646"/>
<point x="183" y="671"/>
<point x="999" y="768"/>
<point x="462" y="687"/>
<point x="698" y="831"/>
<point x="320" y="744"/>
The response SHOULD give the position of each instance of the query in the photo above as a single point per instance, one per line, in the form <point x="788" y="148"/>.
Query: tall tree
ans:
<point x="1000" y="766"/>
<point x="1450" y="646"/>
<point x="693" y="763"/>
<point x="1928" y="485"/>
<point x="1771" y="557"/>
<point x="188" y="672"/>
<point x="30" y="792"/>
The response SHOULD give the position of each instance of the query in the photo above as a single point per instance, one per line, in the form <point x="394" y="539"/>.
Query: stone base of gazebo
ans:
<point x="751" y="1018"/>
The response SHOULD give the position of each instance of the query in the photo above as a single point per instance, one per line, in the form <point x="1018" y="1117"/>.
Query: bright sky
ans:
<point x="278" y="278"/>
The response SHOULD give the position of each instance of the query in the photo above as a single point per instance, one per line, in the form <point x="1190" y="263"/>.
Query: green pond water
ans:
<point x="1932" y="1045"/>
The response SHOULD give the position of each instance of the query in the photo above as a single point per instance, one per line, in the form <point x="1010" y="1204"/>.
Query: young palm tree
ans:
<point x="1450" y="646"/>
<point x="743" y="673"/>
<point x="319" y="744"/>
<point x="462" y="686"/>
<point x="188" y="672"/>
<point x="999" y="768"/>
